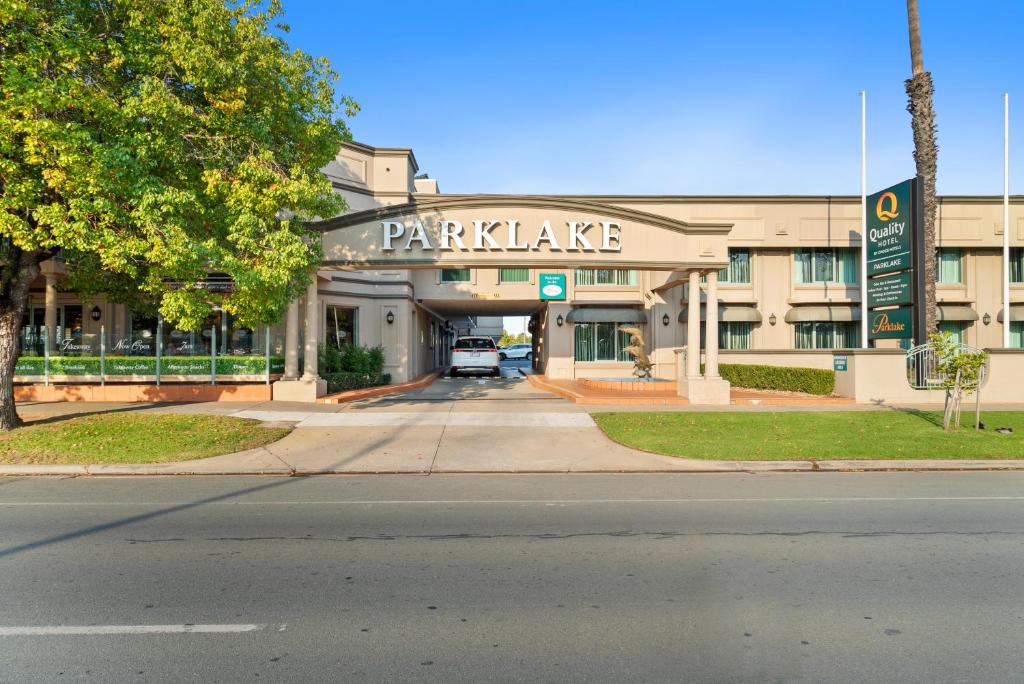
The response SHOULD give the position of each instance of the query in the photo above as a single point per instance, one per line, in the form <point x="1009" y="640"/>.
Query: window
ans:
<point x="955" y="328"/>
<point x="949" y="266"/>
<point x="819" y="265"/>
<point x="738" y="270"/>
<point x="827" y="335"/>
<point x="454" y="275"/>
<point x="731" y="335"/>
<point x="513" y="275"/>
<point x="1017" y="334"/>
<point x="601" y="342"/>
<point x="604" y="276"/>
<point x="340" y="323"/>
<point x="1017" y="264"/>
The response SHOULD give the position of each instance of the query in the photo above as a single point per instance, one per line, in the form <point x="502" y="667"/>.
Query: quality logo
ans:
<point x="887" y="212"/>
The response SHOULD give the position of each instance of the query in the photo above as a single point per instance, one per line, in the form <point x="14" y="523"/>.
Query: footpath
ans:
<point x="451" y="426"/>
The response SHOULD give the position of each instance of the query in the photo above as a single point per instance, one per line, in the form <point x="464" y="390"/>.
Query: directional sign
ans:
<point x="890" y="290"/>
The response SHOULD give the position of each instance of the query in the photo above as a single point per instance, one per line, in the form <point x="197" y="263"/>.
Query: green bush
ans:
<point x="368" y="361"/>
<point x="341" y="382"/>
<point x="146" y="365"/>
<point x="806" y="380"/>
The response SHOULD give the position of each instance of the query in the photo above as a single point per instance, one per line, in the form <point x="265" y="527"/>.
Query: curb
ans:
<point x="369" y="392"/>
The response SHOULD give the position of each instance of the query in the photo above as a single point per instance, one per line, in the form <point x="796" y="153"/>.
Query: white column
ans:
<point x="693" y="327"/>
<point x="312" y="335"/>
<point x="50" y="315"/>
<point x="291" y="341"/>
<point x="711" y="324"/>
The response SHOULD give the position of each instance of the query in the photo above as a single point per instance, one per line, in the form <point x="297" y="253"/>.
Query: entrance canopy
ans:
<point x="490" y="231"/>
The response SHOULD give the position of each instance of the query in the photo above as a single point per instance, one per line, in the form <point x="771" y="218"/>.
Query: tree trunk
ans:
<point x="19" y="269"/>
<point x="926" y="154"/>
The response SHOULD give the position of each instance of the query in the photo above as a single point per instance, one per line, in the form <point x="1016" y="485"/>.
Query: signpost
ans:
<point x="895" y="263"/>
<point x="551" y="286"/>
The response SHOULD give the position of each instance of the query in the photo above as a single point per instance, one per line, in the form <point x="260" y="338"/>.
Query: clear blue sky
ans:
<point x="673" y="97"/>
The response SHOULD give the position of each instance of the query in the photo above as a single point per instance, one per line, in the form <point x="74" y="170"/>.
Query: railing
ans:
<point x="95" y="358"/>
<point x="923" y="363"/>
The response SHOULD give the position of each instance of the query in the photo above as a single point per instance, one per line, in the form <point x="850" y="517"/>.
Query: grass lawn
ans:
<point x="797" y="435"/>
<point x="133" y="438"/>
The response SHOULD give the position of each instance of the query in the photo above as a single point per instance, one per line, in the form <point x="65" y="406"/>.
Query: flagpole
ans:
<point x="863" y="219"/>
<point x="1006" y="220"/>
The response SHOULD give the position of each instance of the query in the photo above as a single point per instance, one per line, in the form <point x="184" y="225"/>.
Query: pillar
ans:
<point x="693" y="327"/>
<point x="309" y="366"/>
<point x="711" y="324"/>
<point x="291" y="341"/>
<point x="50" y="316"/>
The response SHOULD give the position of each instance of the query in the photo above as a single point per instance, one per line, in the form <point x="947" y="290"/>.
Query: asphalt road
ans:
<point x="732" y="577"/>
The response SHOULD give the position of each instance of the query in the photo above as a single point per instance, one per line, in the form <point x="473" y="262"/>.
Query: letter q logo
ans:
<point x="887" y="208"/>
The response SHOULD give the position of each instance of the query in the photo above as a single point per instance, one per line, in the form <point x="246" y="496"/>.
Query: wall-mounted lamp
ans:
<point x="986" y="319"/>
<point x="390" y="318"/>
<point x="665" y="320"/>
<point x="95" y="314"/>
<point x="560" y="320"/>
<point x="772" y="320"/>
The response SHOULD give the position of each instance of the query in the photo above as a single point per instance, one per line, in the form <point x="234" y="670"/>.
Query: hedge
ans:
<point x="343" y="381"/>
<point x="146" y="365"/>
<point x="806" y="380"/>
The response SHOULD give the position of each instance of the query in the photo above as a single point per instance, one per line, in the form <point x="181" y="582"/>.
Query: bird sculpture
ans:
<point x="641" y="362"/>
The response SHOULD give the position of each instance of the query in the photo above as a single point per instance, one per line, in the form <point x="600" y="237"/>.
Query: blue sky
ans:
<point x="673" y="97"/>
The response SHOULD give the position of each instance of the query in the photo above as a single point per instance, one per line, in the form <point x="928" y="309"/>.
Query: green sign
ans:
<point x="838" y="363"/>
<point x="890" y="290"/>
<point x="891" y="324"/>
<point x="890" y="225"/>
<point x="552" y="286"/>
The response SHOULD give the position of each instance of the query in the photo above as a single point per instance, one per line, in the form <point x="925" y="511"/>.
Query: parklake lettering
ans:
<point x="882" y="324"/>
<point x="606" y="237"/>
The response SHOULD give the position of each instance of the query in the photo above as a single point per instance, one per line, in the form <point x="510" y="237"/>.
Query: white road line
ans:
<point x="546" y="502"/>
<point x="92" y="630"/>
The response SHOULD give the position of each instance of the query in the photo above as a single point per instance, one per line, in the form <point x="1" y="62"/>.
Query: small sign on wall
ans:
<point x="552" y="286"/>
<point x="839" y="363"/>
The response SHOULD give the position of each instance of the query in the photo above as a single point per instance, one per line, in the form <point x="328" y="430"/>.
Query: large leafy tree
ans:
<point x="926" y="157"/>
<point x="151" y="143"/>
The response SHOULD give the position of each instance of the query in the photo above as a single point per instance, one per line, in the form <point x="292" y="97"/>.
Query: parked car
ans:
<point x="475" y="355"/>
<point x="516" y="351"/>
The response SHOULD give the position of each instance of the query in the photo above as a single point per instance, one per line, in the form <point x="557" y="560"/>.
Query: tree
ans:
<point x="926" y="155"/>
<point x="960" y="371"/>
<point x="151" y="143"/>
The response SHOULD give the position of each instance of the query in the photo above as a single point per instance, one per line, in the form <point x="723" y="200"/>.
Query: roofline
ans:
<point x="1014" y="199"/>
<point x="377" y="151"/>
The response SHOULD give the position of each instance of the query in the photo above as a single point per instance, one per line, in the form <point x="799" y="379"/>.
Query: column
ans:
<point x="291" y="341"/>
<point x="312" y="334"/>
<point x="50" y="316"/>
<point x="693" y="327"/>
<point x="711" y="324"/>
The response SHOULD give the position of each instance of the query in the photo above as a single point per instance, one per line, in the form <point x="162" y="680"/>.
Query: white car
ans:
<point x="475" y="355"/>
<point x="516" y="351"/>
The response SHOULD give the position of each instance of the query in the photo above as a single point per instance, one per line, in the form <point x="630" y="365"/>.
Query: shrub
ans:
<point x="806" y="380"/>
<point x="341" y="382"/>
<point x="368" y="361"/>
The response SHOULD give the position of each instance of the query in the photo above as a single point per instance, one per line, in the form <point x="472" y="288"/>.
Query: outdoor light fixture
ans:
<point x="559" y="320"/>
<point x="772" y="319"/>
<point x="390" y="317"/>
<point x="986" y="319"/>
<point x="96" y="313"/>
<point x="665" y="320"/>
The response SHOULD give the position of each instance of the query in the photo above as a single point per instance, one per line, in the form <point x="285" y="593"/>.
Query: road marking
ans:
<point x="544" y="502"/>
<point x="87" y="630"/>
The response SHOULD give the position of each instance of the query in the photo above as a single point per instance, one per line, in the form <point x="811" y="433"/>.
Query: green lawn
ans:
<point x="133" y="438"/>
<point x="776" y="436"/>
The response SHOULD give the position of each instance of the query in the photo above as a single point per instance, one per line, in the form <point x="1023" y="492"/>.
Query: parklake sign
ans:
<point x="893" y="237"/>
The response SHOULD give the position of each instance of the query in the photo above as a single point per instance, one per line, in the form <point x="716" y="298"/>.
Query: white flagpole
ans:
<point x="1006" y="220"/>
<point x="863" y="219"/>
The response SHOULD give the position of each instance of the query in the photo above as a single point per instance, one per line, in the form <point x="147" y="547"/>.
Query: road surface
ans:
<point x="729" y="577"/>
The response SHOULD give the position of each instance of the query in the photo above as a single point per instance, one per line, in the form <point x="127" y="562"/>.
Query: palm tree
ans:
<point x="926" y="154"/>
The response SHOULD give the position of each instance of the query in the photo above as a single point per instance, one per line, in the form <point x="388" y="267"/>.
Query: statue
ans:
<point x="641" y="362"/>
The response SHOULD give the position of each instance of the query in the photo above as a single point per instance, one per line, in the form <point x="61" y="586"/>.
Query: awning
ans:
<point x="606" y="315"/>
<point x="728" y="314"/>
<point x="807" y="314"/>
<point x="1016" y="313"/>
<point x="957" y="313"/>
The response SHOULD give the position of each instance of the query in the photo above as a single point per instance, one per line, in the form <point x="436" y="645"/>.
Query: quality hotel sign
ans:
<point x="890" y="229"/>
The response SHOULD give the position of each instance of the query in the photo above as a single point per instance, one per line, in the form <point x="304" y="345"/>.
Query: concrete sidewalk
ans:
<point x="454" y="426"/>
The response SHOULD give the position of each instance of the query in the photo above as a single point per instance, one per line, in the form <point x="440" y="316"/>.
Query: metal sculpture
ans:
<point x="641" y="362"/>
